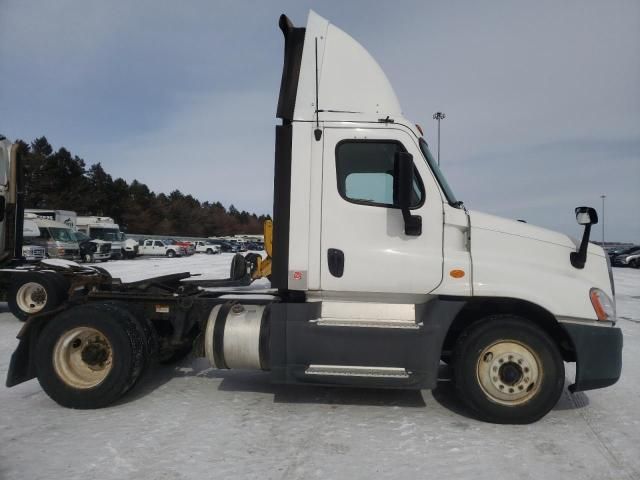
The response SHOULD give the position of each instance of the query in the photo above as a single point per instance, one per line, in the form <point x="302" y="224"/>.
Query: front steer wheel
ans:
<point x="508" y="370"/>
<point x="35" y="292"/>
<point x="90" y="355"/>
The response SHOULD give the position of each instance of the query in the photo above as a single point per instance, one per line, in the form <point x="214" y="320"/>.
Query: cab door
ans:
<point x="363" y="242"/>
<point x="159" y="248"/>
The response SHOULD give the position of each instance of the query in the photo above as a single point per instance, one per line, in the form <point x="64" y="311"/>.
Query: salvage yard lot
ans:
<point x="190" y="421"/>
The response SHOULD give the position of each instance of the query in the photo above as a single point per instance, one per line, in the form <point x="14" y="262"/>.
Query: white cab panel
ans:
<point x="350" y="79"/>
<point x="457" y="272"/>
<point x="378" y="256"/>
<point x="301" y="181"/>
<point x="532" y="264"/>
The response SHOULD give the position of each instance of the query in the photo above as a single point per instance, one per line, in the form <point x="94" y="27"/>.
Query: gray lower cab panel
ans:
<point x="304" y="350"/>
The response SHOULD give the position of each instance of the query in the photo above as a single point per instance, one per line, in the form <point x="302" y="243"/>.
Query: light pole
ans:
<point x="603" y="197"/>
<point x="438" y="116"/>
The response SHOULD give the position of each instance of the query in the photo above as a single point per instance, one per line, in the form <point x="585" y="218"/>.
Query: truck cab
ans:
<point x="31" y="251"/>
<point x="105" y="229"/>
<point x="57" y="238"/>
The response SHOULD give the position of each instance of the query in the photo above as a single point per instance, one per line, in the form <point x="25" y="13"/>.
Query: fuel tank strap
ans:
<point x="218" y="335"/>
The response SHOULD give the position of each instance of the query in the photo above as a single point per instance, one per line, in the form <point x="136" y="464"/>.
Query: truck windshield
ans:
<point x="62" y="234"/>
<point x="104" y="233"/>
<point x="451" y="198"/>
<point x="81" y="237"/>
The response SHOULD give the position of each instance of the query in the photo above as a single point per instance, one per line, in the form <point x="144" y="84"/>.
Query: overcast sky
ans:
<point x="542" y="99"/>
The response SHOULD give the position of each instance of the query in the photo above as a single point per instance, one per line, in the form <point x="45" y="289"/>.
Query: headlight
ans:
<point x="605" y="307"/>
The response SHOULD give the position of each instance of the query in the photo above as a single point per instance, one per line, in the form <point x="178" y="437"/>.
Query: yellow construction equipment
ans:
<point x="263" y="265"/>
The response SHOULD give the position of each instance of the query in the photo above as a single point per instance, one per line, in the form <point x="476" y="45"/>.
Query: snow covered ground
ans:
<point x="189" y="421"/>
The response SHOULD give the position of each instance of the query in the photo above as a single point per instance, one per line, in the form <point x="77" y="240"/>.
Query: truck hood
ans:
<point x="508" y="226"/>
<point x="517" y="260"/>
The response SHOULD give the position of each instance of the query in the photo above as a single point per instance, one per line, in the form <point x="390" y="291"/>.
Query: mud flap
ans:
<point x="21" y="368"/>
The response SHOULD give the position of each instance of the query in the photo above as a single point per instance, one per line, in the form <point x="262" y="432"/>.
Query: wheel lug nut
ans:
<point x="495" y="379"/>
<point x="511" y="390"/>
<point x="488" y="357"/>
<point x="501" y="387"/>
<point x="495" y="369"/>
<point x="501" y="360"/>
<point x="526" y="369"/>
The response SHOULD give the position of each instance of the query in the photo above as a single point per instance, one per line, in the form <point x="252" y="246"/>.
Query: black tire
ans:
<point x="209" y="251"/>
<point x="55" y="287"/>
<point x="128" y="345"/>
<point x="478" y="341"/>
<point x="87" y="258"/>
<point x="635" y="263"/>
<point x="171" y="253"/>
<point x="104" y="271"/>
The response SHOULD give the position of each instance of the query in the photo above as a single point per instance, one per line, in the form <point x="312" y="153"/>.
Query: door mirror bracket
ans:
<point x="586" y="216"/>
<point x="403" y="192"/>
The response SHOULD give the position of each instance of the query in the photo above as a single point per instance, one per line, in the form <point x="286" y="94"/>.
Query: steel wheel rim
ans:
<point x="509" y="372"/>
<point x="83" y="357"/>
<point x="31" y="297"/>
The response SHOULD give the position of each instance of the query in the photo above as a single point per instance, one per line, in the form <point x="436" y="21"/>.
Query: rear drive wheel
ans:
<point x="90" y="355"/>
<point x="35" y="292"/>
<point x="508" y="370"/>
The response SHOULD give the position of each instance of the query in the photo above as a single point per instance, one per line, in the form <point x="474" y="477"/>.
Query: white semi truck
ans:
<point x="103" y="228"/>
<point x="29" y="288"/>
<point x="378" y="272"/>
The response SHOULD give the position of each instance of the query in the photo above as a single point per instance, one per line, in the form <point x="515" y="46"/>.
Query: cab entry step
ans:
<point x="357" y="371"/>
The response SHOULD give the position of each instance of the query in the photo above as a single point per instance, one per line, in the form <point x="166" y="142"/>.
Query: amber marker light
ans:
<point x="597" y="305"/>
<point x="457" y="273"/>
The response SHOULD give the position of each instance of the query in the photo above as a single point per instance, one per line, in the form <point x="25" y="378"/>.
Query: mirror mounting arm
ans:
<point x="403" y="188"/>
<point x="579" y="258"/>
<point x="412" y="223"/>
<point x="586" y="216"/>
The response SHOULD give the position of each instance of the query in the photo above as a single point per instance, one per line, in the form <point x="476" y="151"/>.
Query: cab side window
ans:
<point x="159" y="244"/>
<point x="366" y="173"/>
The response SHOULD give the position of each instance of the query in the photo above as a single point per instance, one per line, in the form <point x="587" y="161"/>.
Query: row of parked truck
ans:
<point x="63" y="234"/>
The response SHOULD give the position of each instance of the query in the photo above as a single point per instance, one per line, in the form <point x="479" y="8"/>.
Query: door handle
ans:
<point x="335" y="259"/>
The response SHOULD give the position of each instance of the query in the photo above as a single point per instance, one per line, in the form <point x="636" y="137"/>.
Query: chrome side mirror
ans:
<point x="586" y="216"/>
